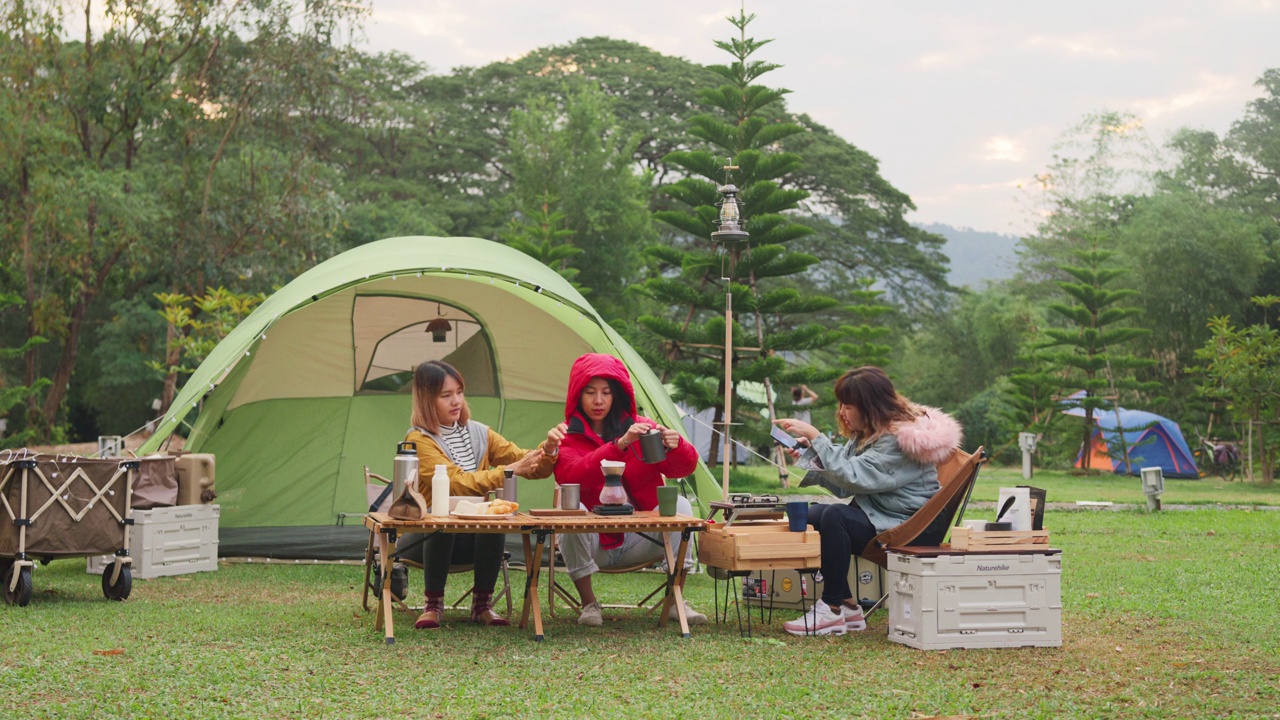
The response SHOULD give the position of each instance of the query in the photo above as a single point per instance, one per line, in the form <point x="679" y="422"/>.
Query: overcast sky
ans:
<point x="959" y="101"/>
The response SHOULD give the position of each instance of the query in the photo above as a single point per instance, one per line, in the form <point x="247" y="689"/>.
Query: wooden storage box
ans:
<point x="962" y="538"/>
<point x="764" y="545"/>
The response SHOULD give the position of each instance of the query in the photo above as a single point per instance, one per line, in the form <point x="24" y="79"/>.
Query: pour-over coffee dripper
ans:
<point x="613" y="498"/>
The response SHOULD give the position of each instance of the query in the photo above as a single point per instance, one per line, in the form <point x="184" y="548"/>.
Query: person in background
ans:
<point x="444" y="434"/>
<point x="601" y="423"/>
<point x="802" y="395"/>
<point x="888" y="464"/>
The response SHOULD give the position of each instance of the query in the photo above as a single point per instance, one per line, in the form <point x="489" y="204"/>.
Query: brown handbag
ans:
<point x="411" y="505"/>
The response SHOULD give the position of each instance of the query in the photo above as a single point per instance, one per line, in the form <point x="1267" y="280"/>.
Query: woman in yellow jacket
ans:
<point x="444" y="434"/>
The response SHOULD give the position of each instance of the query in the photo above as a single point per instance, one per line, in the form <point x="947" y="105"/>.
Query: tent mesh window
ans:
<point x="436" y="331"/>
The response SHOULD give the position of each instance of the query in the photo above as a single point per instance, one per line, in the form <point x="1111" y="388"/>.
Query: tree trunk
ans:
<point x="172" y="356"/>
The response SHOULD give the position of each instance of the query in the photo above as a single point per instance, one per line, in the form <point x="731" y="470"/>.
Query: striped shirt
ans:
<point x="459" y="442"/>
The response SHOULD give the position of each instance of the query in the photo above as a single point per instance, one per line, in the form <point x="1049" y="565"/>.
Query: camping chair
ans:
<point x="556" y="589"/>
<point x="930" y="524"/>
<point x="374" y="485"/>
<point x="571" y="599"/>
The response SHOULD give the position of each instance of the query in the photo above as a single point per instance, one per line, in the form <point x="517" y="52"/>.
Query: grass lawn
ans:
<point x="1164" y="615"/>
<point x="1061" y="486"/>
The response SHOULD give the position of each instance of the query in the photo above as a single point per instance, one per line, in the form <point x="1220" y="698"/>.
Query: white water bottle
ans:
<point x="440" y="491"/>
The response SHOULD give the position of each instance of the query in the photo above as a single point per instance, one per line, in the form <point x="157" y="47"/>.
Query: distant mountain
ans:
<point x="976" y="256"/>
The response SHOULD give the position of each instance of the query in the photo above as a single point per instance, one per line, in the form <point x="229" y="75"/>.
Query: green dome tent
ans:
<point x="315" y="384"/>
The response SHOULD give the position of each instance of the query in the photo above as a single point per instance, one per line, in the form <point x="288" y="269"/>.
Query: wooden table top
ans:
<point x="521" y="522"/>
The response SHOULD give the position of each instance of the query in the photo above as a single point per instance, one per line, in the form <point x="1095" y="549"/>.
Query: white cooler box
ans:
<point x="975" y="600"/>
<point x="169" y="541"/>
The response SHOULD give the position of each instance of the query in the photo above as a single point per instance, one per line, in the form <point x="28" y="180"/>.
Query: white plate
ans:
<point x="486" y="516"/>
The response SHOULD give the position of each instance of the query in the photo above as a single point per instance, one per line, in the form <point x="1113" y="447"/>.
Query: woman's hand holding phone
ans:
<point x="798" y="427"/>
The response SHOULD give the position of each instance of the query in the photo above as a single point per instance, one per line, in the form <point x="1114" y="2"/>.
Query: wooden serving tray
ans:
<point x="962" y="538"/>
<point x="552" y="512"/>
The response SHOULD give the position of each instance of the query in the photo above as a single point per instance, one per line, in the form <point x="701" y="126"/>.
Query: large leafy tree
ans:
<point x="1242" y="367"/>
<point x="163" y="148"/>
<point x="1238" y="175"/>
<point x="769" y="320"/>
<point x="573" y="159"/>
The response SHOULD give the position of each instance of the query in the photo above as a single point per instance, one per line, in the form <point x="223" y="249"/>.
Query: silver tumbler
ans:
<point x="570" y="497"/>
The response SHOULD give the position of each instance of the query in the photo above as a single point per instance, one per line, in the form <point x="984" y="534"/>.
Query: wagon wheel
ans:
<point x="124" y="585"/>
<point x="21" y="595"/>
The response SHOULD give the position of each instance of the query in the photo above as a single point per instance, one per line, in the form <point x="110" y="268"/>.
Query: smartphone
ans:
<point x="782" y="437"/>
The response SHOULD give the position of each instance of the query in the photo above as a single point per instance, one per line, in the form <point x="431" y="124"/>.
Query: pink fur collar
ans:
<point x="931" y="437"/>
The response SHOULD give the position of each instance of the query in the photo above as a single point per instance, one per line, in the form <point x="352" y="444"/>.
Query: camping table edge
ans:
<point x="384" y="528"/>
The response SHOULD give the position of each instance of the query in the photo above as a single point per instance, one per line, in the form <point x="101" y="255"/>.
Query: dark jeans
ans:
<point x="843" y="530"/>
<point x="439" y="551"/>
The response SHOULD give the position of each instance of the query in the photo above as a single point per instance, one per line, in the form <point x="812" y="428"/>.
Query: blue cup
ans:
<point x="798" y="516"/>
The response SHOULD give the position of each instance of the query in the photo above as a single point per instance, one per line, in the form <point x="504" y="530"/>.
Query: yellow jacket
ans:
<point x="492" y="458"/>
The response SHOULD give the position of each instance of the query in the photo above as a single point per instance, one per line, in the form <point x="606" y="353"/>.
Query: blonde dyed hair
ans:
<point x="428" y="381"/>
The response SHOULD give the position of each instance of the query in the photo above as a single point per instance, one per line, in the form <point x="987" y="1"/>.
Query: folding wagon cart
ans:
<point x="64" y="507"/>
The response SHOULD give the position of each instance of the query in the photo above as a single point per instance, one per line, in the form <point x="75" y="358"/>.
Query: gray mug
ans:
<point x="651" y="448"/>
<point x="570" y="497"/>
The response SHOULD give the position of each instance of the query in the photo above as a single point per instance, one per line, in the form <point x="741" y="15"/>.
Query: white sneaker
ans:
<point x="825" y="620"/>
<point x="692" y="616"/>
<point x="591" y="615"/>
<point x="853" y="618"/>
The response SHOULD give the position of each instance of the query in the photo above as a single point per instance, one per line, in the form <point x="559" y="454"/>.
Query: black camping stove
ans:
<point x="745" y="506"/>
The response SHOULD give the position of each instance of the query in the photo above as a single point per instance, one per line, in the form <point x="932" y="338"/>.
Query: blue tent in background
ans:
<point x="1153" y="440"/>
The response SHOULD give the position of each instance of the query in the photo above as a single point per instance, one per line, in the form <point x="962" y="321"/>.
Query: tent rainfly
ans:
<point x="1153" y="441"/>
<point x="315" y="384"/>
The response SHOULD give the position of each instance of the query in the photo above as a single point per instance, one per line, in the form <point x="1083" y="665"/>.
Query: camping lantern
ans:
<point x="730" y="217"/>
<point x="439" y="329"/>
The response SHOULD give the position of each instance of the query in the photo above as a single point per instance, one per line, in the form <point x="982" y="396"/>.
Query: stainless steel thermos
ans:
<point x="508" y="485"/>
<point x="406" y="468"/>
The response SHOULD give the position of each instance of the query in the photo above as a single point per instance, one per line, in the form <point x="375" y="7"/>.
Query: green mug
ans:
<point x="667" y="495"/>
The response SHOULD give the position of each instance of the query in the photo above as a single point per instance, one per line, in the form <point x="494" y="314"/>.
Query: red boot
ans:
<point x="482" y="610"/>
<point x="432" y="612"/>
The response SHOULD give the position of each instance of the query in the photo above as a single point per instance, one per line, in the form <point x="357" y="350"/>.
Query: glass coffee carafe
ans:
<point x="613" y="497"/>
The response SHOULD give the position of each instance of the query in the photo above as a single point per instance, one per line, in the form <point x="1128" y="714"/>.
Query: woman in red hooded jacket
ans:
<point x="601" y="423"/>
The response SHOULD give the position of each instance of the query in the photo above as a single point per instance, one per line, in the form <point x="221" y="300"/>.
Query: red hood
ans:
<point x="594" y="365"/>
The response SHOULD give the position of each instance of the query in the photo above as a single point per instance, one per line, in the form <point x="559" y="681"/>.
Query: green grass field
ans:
<point x="1062" y="486"/>
<point x="1164" y="615"/>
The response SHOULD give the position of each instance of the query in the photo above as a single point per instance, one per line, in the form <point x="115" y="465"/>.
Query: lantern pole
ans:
<point x="731" y="231"/>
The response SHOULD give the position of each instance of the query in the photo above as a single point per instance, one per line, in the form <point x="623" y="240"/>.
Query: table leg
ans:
<point x="676" y="574"/>
<point x="538" y="549"/>
<point x="384" y="607"/>
<point x="529" y="586"/>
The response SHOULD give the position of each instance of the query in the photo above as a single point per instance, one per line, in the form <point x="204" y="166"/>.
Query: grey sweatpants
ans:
<point x="583" y="555"/>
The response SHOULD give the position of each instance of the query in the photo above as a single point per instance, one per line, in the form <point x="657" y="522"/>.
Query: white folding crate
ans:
<point x="975" y="600"/>
<point x="170" y="541"/>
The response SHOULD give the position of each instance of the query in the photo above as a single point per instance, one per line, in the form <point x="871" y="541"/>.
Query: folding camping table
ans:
<point x="536" y="531"/>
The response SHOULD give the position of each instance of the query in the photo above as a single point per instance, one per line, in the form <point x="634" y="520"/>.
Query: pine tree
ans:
<point x="1091" y="358"/>
<point x="688" y="349"/>
<point x="541" y="234"/>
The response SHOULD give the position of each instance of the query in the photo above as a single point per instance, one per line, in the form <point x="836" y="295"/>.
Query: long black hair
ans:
<point x="621" y="413"/>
